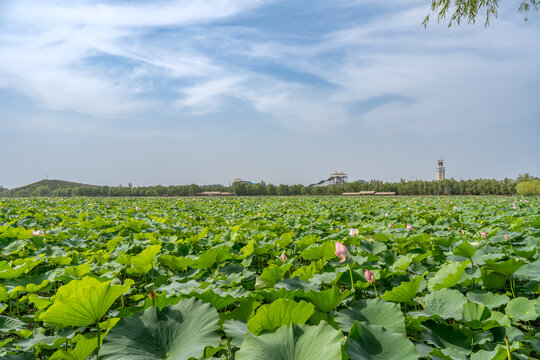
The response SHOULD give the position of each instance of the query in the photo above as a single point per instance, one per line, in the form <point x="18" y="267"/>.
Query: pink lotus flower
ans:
<point x="258" y="214"/>
<point x="341" y="252"/>
<point x="389" y="226"/>
<point x="454" y="208"/>
<point x="386" y="215"/>
<point x="484" y="234"/>
<point x="506" y="237"/>
<point x="137" y="208"/>
<point x="354" y="232"/>
<point x="369" y="276"/>
<point x="37" y="233"/>
<point x="409" y="227"/>
<point x="515" y="207"/>
<point x="283" y="256"/>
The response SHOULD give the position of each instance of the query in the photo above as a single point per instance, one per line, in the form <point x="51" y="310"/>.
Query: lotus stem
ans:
<point x="507" y="348"/>
<point x="512" y="287"/>
<point x="374" y="287"/>
<point x="350" y="273"/>
<point x="98" y="340"/>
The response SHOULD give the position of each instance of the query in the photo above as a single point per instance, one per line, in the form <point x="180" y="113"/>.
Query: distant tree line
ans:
<point x="524" y="184"/>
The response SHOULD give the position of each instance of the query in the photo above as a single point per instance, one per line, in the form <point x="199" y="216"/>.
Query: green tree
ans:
<point x="468" y="10"/>
<point x="531" y="187"/>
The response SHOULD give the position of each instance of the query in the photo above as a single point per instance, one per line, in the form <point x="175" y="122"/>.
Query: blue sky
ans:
<point x="180" y="92"/>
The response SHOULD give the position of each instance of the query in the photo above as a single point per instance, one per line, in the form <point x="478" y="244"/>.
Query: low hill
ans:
<point x="50" y="184"/>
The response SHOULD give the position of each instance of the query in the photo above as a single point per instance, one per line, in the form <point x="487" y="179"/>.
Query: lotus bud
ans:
<point x="283" y="256"/>
<point x="369" y="276"/>
<point x="341" y="252"/>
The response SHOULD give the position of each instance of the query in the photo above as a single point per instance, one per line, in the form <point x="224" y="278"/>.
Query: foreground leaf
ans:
<point x="374" y="342"/>
<point x="295" y="342"/>
<point x="178" y="332"/>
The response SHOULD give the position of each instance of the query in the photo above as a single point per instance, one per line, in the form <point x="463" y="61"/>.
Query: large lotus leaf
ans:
<point x="280" y="312"/>
<point x="217" y="254"/>
<point x="327" y="300"/>
<point x="405" y="292"/>
<point x="78" y="271"/>
<point x="27" y="283"/>
<point x="447" y="338"/>
<point x="8" y="324"/>
<point x="477" y="316"/>
<point x="85" y="346"/>
<point x="366" y="342"/>
<point x="142" y="262"/>
<point x="521" y="308"/>
<point x="530" y="271"/>
<point x="373" y="247"/>
<point x="219" y="298"/>
<point x="498" y="353"/>
<point x="487" y="298"/>
<point x="465" y="249"/>
<point x="17" y="267"/>
<point x="324" y="251"/>
<point x="448" y="275"/>
<point x="236" y="330"/>
<point x="272" y="274"/>
<point x="505" y="268"/>
<point x="271" y="295"/>
<point x="176" y="263"/>
<point x="14" y="246"/>
<point x="445" y="303"/>
<point x="295" y="342"/>
<point x="296" y="284"/>
<point x="178" y="332"/>
<point x="82" y="302"/>
<point x="374" y="312"/>
<point x="40" y="340"/>
<point x="492" y="279"/>
<point x="402" y="263"/>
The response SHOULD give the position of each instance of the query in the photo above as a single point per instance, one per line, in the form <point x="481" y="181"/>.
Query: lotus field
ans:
<point x="270" y="278"/>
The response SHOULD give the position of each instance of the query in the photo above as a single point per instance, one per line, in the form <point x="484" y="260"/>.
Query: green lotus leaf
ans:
<point x="451" y="341"/>
<point x="498" y="353"/>
<point x="176" y="263"/>
<point x="505" y="268"/>
<point x="18" y="267"/>
<point x="448" y="275"/>
<point x="142" y="262"/>
<point x="373" y="247"/>
<point x="82" y="302"/>
<point x="279" y="313"/>
<point x="295" y="342"/>
<point x="487" y="298"/>
<point x="477" y="316"/>
<point x="374" y="312"/>
<point x="492" y="279"/>
<point x="8" y="324"/>
<point x="530" y="271"/>
<point x="79" y="270"/>
<point x="405" y="292"/>
<point x="324" y="251"/>
<point x="521" y="308"/>
<point x="179" y="332"/>
<point x="272" y="274"/>
<point x="236" y="330"/>
<point x="465" y="249"/>
<point x="327" y="300"/>
<point x="374" y="342"/>
<point x="208" y="258"/>
<point x="85" y="346"/>
<point x="445" y="303"/>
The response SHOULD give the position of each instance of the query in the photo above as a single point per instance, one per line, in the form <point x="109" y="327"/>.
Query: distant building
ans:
<point x="440" y="170"/>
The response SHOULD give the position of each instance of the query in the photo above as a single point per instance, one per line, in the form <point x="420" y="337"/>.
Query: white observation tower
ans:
<point x="440" y="170"/>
